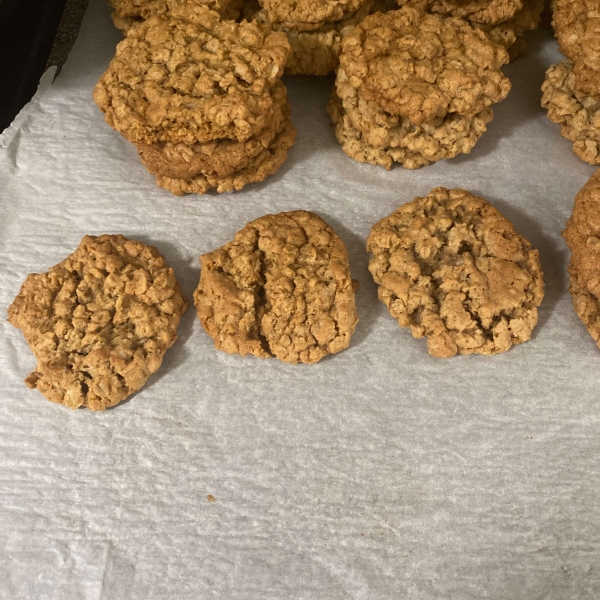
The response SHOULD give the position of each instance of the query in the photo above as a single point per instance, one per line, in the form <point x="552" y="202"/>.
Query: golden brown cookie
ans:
<point x="422" y="66"/>
<point x="577" y="114"/>
<point x="257" y="169"/>
<point x="582" y="235"/>
<point x="130" y="12"/>
<point x="367" y="134"/>
<point x="577" y="27"/>
<point x="510" y="34"/>
<point x="177" y="81"/>
<point x="450" y="267"/>
<point x="217" y="159"/>
<point x="99" y="322"/>
<point x="317" y="52"/>
<point x="305" y="15"/>
<point x="281" y="288"/>
<point x="488" y="12"/>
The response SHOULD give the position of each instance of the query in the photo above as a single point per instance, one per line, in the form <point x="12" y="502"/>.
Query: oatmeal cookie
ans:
<point x="511" y="33"/>
<point x="582" y="235"/>
<point x="317" y="52"/>
<point x="99" y="322"/>
<point x="130" y="12"/>
<point x="306" y="15"/>
<point x="423" y="66"/>
<point x="257" y="169"/>
<point x="489" y="12"/>
<point x="450" y="267"/>
<point x="217" y="159"/>
<point x="382" y="141"/>
<point x="281" y="288"/>
<point x="175" y="81"/>
<point x="577" y="27"/>
<point x="577" y="114"/>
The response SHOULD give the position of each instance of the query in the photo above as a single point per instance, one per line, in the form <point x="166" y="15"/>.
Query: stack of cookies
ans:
<point x="505" y="22"/>
<point x="201" y="99"/>
<point x="572" y="87"/>
<point x="415" y="88"/>
<point x="314" y="28"/>
<point x="130" y="12"/>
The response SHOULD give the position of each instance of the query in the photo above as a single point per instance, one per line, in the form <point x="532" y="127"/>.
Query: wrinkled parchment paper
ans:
<point x="380" y="472"/>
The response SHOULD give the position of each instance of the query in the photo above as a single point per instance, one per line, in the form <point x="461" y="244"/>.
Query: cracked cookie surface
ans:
<point x="450" y="267"/>
<point x="178" y="81"/>
<point x="99" y="322"/>
<point x="577" y="114"/>
<point x="423" y="66"/>
<point x="258" y="168"/>
<point x="281" y="288"/>
<point x="582" y="235"/>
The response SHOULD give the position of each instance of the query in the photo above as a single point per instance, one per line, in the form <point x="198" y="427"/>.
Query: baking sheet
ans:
<point x="380" y="472"/>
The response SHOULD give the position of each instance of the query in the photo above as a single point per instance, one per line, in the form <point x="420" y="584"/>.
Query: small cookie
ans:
<point x="489" y="12"/>
<point x="216" y="159"/>
<point x="577" y="27"/>
<point x="582" y="235"/>
<point x="281" y="288"/>
<point x="450" y="267"/>
<point x="177" y="81"/>
<point x="99" y="322"/>
<point x="131" y="12"/>
<point x="258" y="168"/>
<point x="422" y="66"/>
<point x="413" y="146"/>
<point x="577" y="114"/>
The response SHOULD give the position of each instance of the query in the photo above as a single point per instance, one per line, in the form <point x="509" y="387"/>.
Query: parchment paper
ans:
<point x="380" y="472"/>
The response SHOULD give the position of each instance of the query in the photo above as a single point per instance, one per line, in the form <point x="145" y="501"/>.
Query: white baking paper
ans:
<point x="379" y="473"/>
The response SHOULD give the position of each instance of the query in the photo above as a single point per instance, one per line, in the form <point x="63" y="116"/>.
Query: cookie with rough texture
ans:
<point x="450" y="267"/>
<point x="99" y="322"/>
<point x="422" y="66"/>
<point x="309" y="14"/>
<point x="383" y="141"/>
<point x="219" y="158"/>
<point x="281" y="288"/>
<point x="577" y="114"/>
<point x="510" y="34"/>
<point x="582" y="235"/>
<point x="577" y="27"/>
<point x="177" y="81"/>
<point x="130" y="12"/>
<point x="477" y="11"/>
<point x="258" y="168"/>
<point x="317" y="52"/>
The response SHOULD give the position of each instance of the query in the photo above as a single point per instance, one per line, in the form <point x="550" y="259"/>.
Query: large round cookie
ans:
<point x="421" y="66"/>
<point x="281" y="288"/>
<point x="99" y="322"/>
<point x="582" y="235"/>
<point x="450" y="267"/>
<point x="173" y="80"/>
<point x="577" y="114"/>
